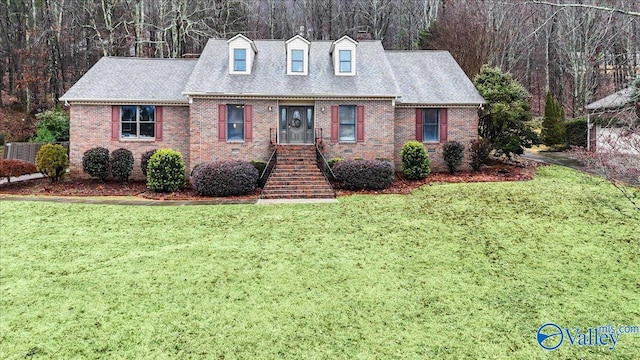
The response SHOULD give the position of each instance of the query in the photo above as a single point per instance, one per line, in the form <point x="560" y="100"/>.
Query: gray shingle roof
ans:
<point x="415" y="77"/>
<point x="613" y="101"/>
<point x="432" y="77"/>
<point x="374" y="76"/>
<point x="131" y="79"/>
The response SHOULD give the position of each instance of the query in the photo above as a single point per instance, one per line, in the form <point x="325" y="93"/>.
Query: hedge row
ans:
<point x="98" y="163"/>
<point x="363" y="174"/>
<point x="225" y="178"/>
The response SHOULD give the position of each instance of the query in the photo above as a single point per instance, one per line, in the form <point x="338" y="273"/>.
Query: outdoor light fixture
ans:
<point x="270" y="108"/>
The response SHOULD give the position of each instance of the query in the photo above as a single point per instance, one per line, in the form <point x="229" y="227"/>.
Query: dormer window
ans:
<point x="242" y="51"/>
<point x="343" y="53"/>
<point x="297" y="61"/>
<point x="345" y="61"/>
<point x="297" y="55"/>
<point x="240" y="60"/>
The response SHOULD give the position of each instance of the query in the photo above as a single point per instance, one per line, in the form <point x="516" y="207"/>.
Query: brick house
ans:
<point x="241" y="96"/>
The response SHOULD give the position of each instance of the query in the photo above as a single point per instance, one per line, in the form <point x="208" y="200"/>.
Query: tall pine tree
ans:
<point x="553" y="133"/>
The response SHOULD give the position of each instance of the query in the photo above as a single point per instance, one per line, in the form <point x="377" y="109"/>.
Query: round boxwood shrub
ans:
<point x="415" y="160"/>
<point x="121" y="164"/>
<point x="225" y="178"/>
<point x="453" y="154"/>
<point x="166" y="171"/>
<point x="259" y="165"/>
<point x="363" y="174"/>
<point x="144" y="160"/>
<point x="95" y="162"/>
<point x="52" y="160"/>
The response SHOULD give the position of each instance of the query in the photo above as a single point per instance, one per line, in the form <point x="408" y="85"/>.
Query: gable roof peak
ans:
<point x="346" y="37"/>
<point x="298" y="36"/>
<point x="241" y="36"/>
<point x="342" y="39"/>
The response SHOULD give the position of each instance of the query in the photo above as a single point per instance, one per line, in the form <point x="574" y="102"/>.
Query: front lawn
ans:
<point x="450" y="271"/>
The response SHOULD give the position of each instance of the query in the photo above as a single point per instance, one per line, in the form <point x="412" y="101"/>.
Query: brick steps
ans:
<point x="296" y="176"/>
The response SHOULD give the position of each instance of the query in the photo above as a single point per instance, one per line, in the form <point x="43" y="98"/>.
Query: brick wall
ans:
<point x="195" y="133"/>
<point x="462" y="127"/>
<point x="90" y="126"/>
<point x="206" y="147"/>
<point x="378" y="130"/>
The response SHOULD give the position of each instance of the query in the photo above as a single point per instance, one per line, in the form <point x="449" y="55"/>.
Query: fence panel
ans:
<point x="26" y="151"/>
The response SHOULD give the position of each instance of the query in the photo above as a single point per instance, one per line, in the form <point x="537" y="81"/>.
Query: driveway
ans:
<point x="556" y="158"/>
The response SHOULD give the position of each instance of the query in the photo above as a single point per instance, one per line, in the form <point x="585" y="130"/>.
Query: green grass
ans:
<point x="451" y="271"/>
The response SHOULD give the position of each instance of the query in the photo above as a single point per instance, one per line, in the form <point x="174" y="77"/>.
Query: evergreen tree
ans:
<point x="503" y="121"/>
<point x="552" y="125"/>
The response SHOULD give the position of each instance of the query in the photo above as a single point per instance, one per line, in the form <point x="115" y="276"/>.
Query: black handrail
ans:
<point x="269" y="167"/>
<point x="324" y="165"/>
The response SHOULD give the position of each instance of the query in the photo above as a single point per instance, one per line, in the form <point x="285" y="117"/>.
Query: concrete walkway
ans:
<point x="556" y="158"/>
<point x="120" y="200"/>
<point x="296" y="201"/>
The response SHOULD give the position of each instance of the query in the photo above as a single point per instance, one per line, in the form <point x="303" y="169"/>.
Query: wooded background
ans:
<point x="577" y="53"/>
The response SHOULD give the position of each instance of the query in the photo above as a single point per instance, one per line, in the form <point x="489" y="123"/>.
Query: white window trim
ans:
<point x="137" y="123"/>
<point x="233" y="61"/>
<point x="424" y="115"/>
<point x="244" y="135"/>
<point x="350" y="62"/>
<point x="355" y="125"/>
<point x="305" y="62"/>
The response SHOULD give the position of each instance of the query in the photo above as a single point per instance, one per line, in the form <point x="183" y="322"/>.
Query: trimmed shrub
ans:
<point x="479" y="151"/>
<point x="95" y="162"/>
<point x="334" y="161"/>
<point x="121" y="164"/>
<point x="225" y="178"/>
<point x="259" y="165"/>
<point x="52" y="160"/>
<point x="166" y="171"/>
<point x="14" y="167"/>
<point x="453" y="154"/>
<point x="363" y="174"/>
<point x="415" y="160"/>
<point x="576" y="132"/>
<point x="144" y="160"/>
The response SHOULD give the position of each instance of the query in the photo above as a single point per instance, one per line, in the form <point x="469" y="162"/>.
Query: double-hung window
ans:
<point x="297" y="61"/>
<point x="345" y="61"/>
<point x="235" y="122"/>
<point x="137" y="122"/>
<point x="430" y="125"/>
<point x="240" y="60"/>
<point x="347" y="123"/>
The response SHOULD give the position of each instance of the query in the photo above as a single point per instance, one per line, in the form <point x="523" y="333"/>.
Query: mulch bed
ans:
<point x="495" y="172"/>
